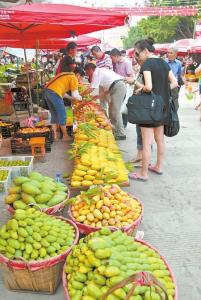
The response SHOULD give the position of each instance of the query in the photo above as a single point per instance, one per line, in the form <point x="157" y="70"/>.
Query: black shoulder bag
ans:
<point x="173" y="126"/>
<point x="146" y="108"/>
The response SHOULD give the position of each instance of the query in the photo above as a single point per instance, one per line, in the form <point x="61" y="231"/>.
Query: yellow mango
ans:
<point x="89" y="177"/>
<point x="91" y="172"/>
<point x="79" y="173"/>
<point x="76" y="183"/>
<point x="81" y="167"/>
<point x="87" y="183"/>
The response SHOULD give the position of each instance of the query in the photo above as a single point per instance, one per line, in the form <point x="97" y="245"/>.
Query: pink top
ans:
<point x="123" y="67"/>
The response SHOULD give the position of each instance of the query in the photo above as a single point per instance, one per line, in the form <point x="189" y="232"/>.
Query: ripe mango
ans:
<point x="12" y="198"/>
<point x="14" y="190"/>
<point x="28" y="199"/>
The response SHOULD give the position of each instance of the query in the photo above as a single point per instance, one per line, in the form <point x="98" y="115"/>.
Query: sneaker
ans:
<point x="120" y="138"/>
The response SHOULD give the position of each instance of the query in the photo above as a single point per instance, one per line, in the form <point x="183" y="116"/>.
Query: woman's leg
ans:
<point x="138" y="157"/>
<point x="159" y="138"/>
<point x="147" y="139"/>
<point x="49" y="101"/>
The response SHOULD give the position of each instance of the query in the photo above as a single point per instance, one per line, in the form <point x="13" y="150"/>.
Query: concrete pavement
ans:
<point x="172" y="219"/>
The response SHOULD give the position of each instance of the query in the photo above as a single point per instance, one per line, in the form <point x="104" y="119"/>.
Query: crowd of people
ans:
<point x="113" y="78"/>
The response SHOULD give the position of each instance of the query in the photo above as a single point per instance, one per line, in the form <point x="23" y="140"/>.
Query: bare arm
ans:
<point x="173" y="80"/>
<point x="148" y="81"/>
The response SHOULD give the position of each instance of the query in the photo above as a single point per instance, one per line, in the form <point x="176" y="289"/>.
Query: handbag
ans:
<point x="146" y="108"/>
<point x="173" y="126"/>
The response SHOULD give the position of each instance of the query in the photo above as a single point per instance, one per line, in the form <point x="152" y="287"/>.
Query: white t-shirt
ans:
<point x="103" y="78"/>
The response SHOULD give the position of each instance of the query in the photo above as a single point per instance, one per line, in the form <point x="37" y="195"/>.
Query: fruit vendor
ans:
<point x="113" y="85"/>
<point x="54" y="93"/>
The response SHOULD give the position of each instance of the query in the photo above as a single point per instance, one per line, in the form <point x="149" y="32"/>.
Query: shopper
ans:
<point x="176" y="67"/>
<point x="67" y="63"/>
<point x="54" y="93"/>
<point x="123" y="67"/>
<point x="157" y="77"/>
<point x="103" y="60"/>
<point x="113" y="85"/>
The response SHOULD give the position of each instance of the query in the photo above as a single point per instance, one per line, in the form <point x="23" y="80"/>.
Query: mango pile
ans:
<point x="34" y="235"/>
<point x="97" y="157"/>
<point x="36" y="189"/>
<point x="103" y="259"/>
<point x="14" y="163"/>
<point x="93" y="114"/>
<point x="3" y="175"/>
<point x="106" y="206"/>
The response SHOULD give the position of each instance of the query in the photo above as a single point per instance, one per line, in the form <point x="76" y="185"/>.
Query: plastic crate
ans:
<point x="19" y="170"/>
<point x="5" y="184"/>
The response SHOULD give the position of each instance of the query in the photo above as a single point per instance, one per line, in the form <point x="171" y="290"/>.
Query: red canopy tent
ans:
<point x="83" y="41"/>
<point x="55" y="20"/>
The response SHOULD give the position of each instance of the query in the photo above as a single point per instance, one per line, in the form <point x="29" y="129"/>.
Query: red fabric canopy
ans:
<point x="38" y="21"/>
<point x="82" y="41"/>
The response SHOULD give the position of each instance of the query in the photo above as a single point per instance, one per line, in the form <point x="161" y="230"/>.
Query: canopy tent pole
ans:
<point x="28" y="80"/>
<point x="37" y="73"/>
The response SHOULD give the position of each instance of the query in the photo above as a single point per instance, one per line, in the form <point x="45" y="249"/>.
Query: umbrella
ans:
<point x="83" y="41"/>
<point x="37" y="21"/>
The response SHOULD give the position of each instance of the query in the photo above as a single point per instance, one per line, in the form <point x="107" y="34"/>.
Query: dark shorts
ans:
<point x="56" y="106"/>
<point x="200" y="89"/>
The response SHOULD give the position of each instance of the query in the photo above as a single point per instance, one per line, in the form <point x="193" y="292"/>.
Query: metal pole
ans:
<point x="28" y="80"/>
<point x="37" y="74"/>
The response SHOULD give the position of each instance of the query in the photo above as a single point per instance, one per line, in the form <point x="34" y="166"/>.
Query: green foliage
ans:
<point x="162" y="29"/>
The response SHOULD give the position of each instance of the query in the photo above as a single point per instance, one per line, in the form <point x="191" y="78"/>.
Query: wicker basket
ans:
<point x="67" y="296"/>
<point x="87" y="229"/>
<point x="49" y="210"/>
<point x="36" y="276"/>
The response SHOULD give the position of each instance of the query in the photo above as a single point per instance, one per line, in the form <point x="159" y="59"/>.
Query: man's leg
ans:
<point x="117" y="94"/>
<point x="175" y="97"/>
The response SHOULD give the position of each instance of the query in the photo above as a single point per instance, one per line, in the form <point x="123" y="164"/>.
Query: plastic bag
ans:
<point x="129" y="93"/>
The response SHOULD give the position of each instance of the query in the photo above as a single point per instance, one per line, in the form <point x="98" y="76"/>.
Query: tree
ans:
<point x="162" y="29"/>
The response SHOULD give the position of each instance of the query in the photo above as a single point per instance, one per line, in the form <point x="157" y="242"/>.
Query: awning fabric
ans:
<point x="41" y="20"/>
<point x="82" y="42"/>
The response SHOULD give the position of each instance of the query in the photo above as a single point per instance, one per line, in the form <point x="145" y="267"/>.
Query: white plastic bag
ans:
<point x="129" y="93"/>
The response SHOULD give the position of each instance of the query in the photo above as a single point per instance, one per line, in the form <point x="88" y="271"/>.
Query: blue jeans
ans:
<point x="56" y="106"/>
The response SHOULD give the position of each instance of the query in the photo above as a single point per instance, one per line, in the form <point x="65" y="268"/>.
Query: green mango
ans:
<point x="19" y="204"/>
<point x="56" y="199"/>
<point x="30" y="189"/>
<point x="20" y="180"/>
<point x="43" y="198"/>
<point x="36" y="176"/>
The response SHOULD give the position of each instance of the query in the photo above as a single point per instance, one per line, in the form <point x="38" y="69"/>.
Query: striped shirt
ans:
<point x="104" y="62"/>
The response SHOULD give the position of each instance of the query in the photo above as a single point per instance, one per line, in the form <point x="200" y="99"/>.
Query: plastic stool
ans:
<point x="37" y="146"/>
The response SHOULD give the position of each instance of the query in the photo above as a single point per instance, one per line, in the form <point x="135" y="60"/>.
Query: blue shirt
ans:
<point x="175" y="66"/>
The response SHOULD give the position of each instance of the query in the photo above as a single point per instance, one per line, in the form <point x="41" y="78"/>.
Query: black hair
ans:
<point x="90" y="66"/>
<point x="115" y="52"/>
<point x="67" y="64"/>
<point x="79" y="70"/>
<point x="145" y="44"/>
<point x="62" y="51"/>
<point x="95" y="49"/>
<point x="71" y="45"/>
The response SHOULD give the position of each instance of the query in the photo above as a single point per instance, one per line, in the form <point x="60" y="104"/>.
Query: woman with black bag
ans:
<point x="157" y="78"/>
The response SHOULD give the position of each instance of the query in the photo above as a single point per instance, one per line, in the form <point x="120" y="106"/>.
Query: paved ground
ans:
<point x="172" y="218"/>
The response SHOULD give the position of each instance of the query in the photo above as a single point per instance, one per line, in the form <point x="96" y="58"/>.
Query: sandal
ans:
<point x="137" y="177"/>
<point x="152" y="169"/>
<point x="136" y="160"/>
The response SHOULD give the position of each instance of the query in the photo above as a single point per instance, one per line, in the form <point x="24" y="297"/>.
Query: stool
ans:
<point x="37" y="146"/>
